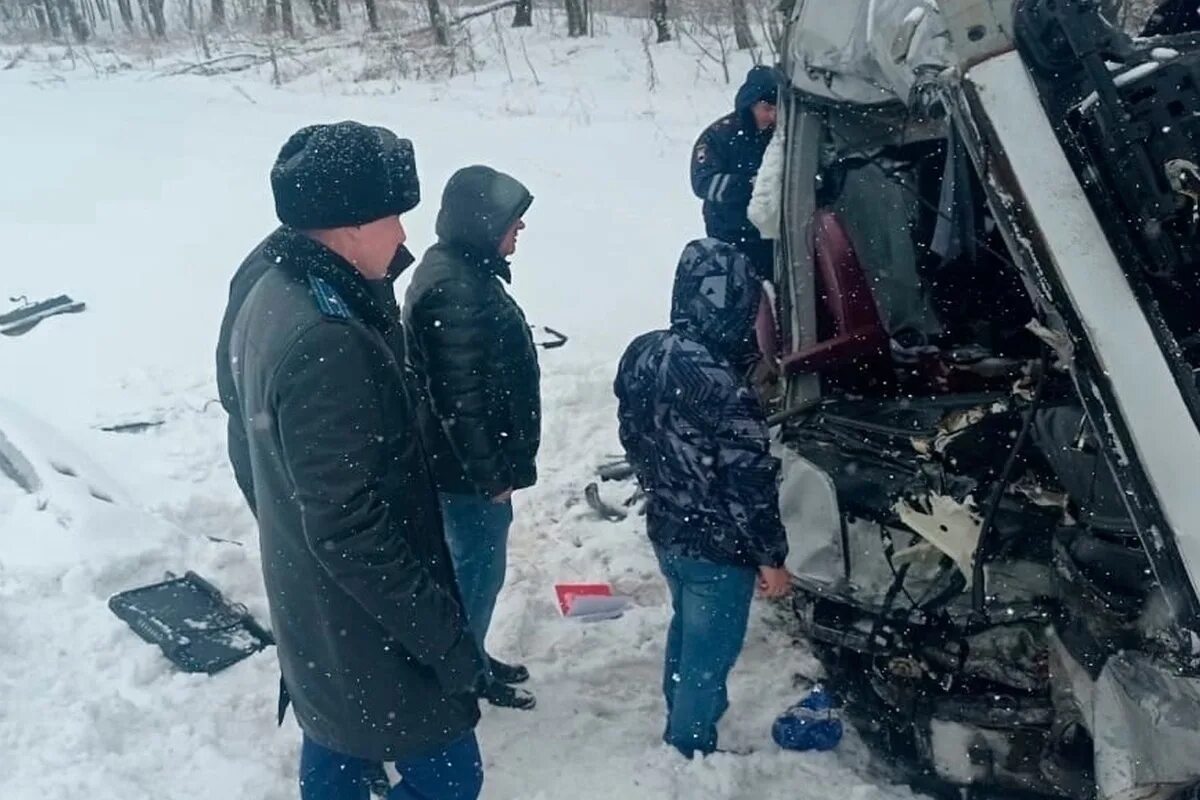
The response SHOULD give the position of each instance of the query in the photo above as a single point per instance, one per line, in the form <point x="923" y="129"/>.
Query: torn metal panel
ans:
<point x="1146" y="733"/>
<point x="1133" y="373"/>
<point x="797" y="277"/>
<point x="951" y="526"/>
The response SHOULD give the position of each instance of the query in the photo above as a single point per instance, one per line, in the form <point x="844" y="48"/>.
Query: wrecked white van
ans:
<point x="989" y="319"/>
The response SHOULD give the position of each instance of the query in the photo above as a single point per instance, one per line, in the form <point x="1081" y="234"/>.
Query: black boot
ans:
<point x="510" y="674"/>
<point x="377" y="780"/>
<point x="504" y="696"/>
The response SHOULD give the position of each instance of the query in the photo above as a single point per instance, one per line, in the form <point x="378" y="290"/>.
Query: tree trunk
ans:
<point x="144" y="12"/>
<point x="335" y="14"/>
<point x="658" y="13"/>
<point x="52" y="20"/>
<point x="43" y="21"/>
<point x="160" y="19"/>
<point x="741" y="25"/>
<point x="190" y="17"/>
<point x="576" y="19"/>
<point x="125" y="9"/>
<point x="79" y="26"/>
<point x="438" y="20"/>
<point x="318" y="12"/>
<point x="286" y="16"/>
<point x="218" y="13"/>
<point x="523" y="16"/>
<point x="372" y="15"/>
<point x="271" y="16"/>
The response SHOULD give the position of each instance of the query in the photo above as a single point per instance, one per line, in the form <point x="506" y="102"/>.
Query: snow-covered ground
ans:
<point x="139" y="195"/>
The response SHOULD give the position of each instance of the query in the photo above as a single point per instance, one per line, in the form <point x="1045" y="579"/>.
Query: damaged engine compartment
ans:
<point x="894" y="600"/>
<point x="985" y="562"/>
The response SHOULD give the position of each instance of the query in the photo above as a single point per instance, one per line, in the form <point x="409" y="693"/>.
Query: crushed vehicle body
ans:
<point x="989" y="324"/>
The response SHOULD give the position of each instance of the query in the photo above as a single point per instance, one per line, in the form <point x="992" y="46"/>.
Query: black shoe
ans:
<point x="510" y="674"/>
<point x="377" y="780"/>
<point x="504" y="696"/>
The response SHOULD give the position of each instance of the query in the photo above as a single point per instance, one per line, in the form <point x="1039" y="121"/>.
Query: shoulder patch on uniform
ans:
<point x="330" y="303"/>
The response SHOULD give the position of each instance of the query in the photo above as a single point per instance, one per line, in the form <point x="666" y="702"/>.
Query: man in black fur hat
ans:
<point x="376" y="657"/>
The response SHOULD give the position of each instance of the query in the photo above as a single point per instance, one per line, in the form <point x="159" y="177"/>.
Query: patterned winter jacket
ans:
<point x="693" y="429"/>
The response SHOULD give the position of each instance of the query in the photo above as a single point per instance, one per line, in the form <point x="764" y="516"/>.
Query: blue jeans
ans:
<point x="452" y="773"/>
<point x="477" y="534"/>
<point x="712" y="607"/>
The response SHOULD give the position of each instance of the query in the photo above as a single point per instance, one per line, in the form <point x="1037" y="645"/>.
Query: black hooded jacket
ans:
<point x="364" y="604"/>
<point x="727" y="157"/>
<point x="470" y="345"/>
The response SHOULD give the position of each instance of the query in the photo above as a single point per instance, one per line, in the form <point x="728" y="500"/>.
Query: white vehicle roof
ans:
<point x="867" y="52"/>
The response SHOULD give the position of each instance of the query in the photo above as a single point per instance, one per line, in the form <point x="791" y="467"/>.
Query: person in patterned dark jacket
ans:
<point x="697" y="437"/>
<point x="725" y="162"/>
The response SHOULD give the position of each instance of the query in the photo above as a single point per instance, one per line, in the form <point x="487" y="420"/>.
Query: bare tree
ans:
<point x="437" y="19"/>
<point x="279" y="13"/>
<point x="218" y="13"/>
<point x="658" y="13"/>
<point x="75" y="20"/>
<point x="770" y="26"/>
<point x="320" y="15"/>
<point x="326" y="14"/>
<point x="576" y="19"/>
<point x="709" y="34"/>
<point x="125" y="8"/>
<point x="372" y="15"/>
<point x="91" y="9"/>
<point x="651" y="71"/>
<point x="523" y="16"/>
<point x="160" y="19"/>
<point x="741" y="25"/>
<point x="52" y="19"/>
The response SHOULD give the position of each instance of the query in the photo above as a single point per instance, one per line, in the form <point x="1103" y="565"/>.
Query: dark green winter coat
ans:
<point x="363" y="600"/>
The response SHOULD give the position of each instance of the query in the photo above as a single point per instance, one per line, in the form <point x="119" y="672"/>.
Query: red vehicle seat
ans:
<point x="851" y="340"/>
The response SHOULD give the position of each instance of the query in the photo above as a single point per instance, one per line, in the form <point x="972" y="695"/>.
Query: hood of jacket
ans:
<point x="479" y="205"/>
<point x="762" y="83"/>
<point x="715" y="299"/>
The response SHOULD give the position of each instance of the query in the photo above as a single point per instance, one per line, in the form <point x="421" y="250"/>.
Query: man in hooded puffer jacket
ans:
<point x="697" y="438"/>
<point x="471" y="347"/>
<point x="725" y="162"/>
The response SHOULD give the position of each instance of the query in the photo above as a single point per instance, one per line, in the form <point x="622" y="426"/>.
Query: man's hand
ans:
<point x="503" y="497"/>
<point x="774" y="582"/>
